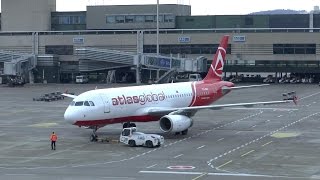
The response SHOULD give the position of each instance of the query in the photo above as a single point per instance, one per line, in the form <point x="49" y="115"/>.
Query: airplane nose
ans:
<point x="69" y="116"/>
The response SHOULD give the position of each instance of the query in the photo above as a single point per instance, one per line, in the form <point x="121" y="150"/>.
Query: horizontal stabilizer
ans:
<point x="250" y="86"/>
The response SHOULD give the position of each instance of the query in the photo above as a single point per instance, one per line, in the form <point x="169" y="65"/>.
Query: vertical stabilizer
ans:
<point x="215" y="72"/>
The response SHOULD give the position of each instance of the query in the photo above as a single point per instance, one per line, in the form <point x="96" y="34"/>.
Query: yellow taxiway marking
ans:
<point x="266" y="143"/>
<point x="247" y="153"/>
<point x="225" y="164"/>
<point x="43" y="125"/>
<point x="284" y="135"/>
<point x="198" y="177"/>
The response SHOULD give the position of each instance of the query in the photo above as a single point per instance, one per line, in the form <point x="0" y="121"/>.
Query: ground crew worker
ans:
<point x="53" y="139"/>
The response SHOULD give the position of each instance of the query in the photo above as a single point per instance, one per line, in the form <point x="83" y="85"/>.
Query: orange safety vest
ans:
<point x="53" y="137"/>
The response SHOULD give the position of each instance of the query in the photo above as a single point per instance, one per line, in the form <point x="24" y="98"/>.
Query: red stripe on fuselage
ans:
<point x="193" y="94"/>
<point x="103" y="122"/>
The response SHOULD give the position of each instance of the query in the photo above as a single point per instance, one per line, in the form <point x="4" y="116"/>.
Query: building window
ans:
<point x="160" y="18"/>
<point x="119" y="19"/>
<point x="189" y="20"/>
<point x="168" y="18"/>
<point x="70" y="20"/>
<point x="111" y="19"/>
<point x="129" y="19"/>
<point x="59" y="49"/>
<point x="64" y="20"/>
<point x="140" y="19"/>
<point x="248" y="21"/>
<point x="150" y="18"/>
<point x="294" y="48"/>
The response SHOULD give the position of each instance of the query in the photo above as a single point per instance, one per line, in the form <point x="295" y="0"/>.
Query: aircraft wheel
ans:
<point x="149" y="144"/>
<point x="132" y="143"/>
<point x="125" y="125"/>
<point x="185" y="132"/>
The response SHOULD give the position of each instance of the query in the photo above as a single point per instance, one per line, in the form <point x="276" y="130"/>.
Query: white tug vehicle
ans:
<point x="131" y="137"/>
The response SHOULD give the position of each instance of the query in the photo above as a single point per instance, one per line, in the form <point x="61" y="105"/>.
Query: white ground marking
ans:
<point x="151" y="166"/>
<point x="201" y="147"/>
<point x="127" y="159"/>
<point x="273" y="132"/>
<point x="118" y="178"/>
<point x="258" y="139"/>
<point x="220" y="139"/>
<point x="178" y="156"/>
<point x="219" y="174"/>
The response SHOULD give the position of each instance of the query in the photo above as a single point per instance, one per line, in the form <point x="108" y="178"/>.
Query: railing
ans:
<point x="163" y="31"/>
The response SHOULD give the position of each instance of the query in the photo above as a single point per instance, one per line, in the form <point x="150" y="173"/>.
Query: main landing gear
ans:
<point x="128" y="125"/>
<point x="184" y="132"/>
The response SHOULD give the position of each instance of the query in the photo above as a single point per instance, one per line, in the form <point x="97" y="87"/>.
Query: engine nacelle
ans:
<point x="175" y="123"/>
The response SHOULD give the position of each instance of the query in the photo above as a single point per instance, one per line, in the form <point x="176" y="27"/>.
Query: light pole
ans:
<point x="157" y="28"/>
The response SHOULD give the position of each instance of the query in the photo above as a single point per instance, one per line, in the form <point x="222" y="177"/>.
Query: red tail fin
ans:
<point x="216" y="68"/>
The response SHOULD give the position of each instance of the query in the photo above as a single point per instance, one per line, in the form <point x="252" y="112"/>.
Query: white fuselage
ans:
<point x="113" y="104"/>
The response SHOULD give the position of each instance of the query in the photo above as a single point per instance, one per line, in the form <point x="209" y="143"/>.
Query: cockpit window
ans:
<point x="86" y="103"/>
<point x="91" y="103"/>
<point x="72" y="103"/>
<point x="79" y="103"/>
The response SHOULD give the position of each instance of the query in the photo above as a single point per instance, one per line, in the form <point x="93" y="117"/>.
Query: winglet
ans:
<point x="69" y="95"/>
<point x="291" y="96"/>
<point x="216" y="68"/>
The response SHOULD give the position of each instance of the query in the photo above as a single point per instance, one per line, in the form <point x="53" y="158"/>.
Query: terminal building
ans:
<point x="120" y="41"/>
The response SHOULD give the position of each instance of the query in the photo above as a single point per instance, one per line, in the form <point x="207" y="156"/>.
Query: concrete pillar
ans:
<point x="138" y="75"/>
<point x="158" y="74"/>
<point x="311" y="21"/>
<point x="31" y="77"/>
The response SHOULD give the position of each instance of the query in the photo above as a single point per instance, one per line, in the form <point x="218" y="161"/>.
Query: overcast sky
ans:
<point x="201" y="7"/>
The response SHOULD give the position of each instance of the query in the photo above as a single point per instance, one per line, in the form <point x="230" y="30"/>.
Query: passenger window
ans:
<point x="79" y="103"/>
<point x="86" y="103"/>
<point x="91" y="103"/>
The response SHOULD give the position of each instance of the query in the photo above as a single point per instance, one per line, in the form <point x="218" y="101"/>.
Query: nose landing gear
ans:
<point x="128" y="125"/>
<point x="94" y="137"/>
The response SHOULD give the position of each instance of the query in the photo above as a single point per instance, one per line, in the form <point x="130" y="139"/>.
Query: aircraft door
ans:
<point x="106" y="103"/>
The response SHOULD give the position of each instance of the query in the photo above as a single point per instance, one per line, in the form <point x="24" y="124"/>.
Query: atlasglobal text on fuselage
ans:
<point x="140" y="99"/>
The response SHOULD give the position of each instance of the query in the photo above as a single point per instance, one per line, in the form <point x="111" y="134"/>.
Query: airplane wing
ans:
<point x="69" y="95"/>
<point x="163" y="111"/>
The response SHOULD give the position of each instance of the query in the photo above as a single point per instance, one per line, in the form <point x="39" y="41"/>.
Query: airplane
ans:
<point x="172" y="104"/>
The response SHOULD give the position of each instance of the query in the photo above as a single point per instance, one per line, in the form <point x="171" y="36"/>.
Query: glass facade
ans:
<point x="294" y="48"/>
<point x="61" y="21"/>
<point x="59" y="49"/>
<point x="151" y="18"/>
<point x="184" y="48"/>
<point x="289" y="21"/>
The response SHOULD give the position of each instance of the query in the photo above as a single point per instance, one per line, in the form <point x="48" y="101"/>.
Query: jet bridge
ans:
<point x="17" y="64"/>
<point x="93" y="59"/>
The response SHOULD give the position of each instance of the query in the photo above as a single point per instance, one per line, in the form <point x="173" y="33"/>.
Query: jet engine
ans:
<point x="175" y="123"/>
